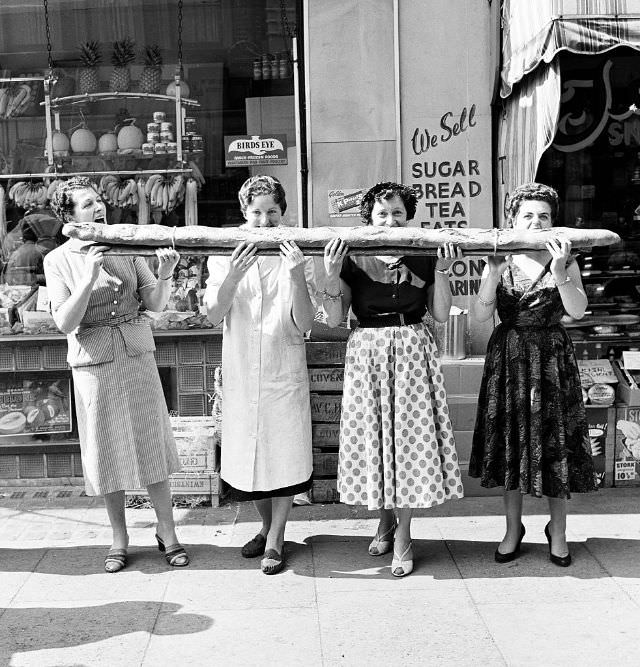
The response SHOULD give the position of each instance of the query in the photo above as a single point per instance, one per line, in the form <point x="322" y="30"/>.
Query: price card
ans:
<point x="631" y="360"/>
<point x="596" y="371"/>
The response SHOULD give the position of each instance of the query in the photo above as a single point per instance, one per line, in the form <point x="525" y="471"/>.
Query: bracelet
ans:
<point x="332" y="297"/>
<point x="486" y="303"/>
<point x="167" y="278"/>
<point x="444" y="272"/>
<point x="566" y="280"/>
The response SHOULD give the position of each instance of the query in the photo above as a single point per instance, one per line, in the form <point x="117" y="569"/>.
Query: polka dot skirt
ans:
<point x="396" y="439"/>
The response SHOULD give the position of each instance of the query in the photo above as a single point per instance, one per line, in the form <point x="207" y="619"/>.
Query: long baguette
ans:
<point x="396" y="240"/>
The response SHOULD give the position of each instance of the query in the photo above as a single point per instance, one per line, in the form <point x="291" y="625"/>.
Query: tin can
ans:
<point x="153" y="127"/>
<point x="172" y="147"/>
<point x="147" y="148"/>
<point x="159" y="116"/>
<point x="257" y="70"/>
<point x="266" y="65"/>
<point x="283" y="66"/>
<point x="190" y="125"/>
<point x="186" y="144"/>
<point x="275" y="68"/>
<point x="166" y="135"/>
<point x="153" y="137"/>
<point x="159" y="148"/>
<point x="197" y="143"/>
<point x="166" y="126"/>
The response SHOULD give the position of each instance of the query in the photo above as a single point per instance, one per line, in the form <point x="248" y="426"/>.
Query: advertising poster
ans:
<point x="344" y="203"/>
<point x="254" y="150"/>
<point x="597" y="421"/>
<point x="35" y="406"/>
<point x="627" y="454"/>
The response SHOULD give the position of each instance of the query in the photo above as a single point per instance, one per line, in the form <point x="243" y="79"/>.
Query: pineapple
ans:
<point x="152" y="72"/>
<point x="123" y="54"/>
<point x="91" y="57"/>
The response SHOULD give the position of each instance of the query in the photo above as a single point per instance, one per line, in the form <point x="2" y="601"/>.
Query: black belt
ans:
<point x="393" y="320"/>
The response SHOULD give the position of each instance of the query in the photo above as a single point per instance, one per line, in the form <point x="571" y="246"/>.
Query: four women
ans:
<point x="397" y="451"/>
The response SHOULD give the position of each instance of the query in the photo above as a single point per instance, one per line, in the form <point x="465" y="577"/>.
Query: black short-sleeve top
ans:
<point x="380" y="288"/>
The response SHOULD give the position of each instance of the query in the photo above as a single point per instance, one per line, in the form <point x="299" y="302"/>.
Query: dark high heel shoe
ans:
<point x="560" y="561"/>
<point x="174" y="554"/>
<point x="512" y="555"/>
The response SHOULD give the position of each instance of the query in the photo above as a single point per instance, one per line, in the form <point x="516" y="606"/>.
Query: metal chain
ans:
<point x="286" y="28"/>
<point x="48" y="32"/>
<point x="179" y="34"/>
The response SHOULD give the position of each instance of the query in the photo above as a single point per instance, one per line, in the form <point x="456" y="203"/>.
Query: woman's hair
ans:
<point x="532" y="192"/>
<point x="262" y="185"/>
<point x="388" y="190"/>
<point x="62" y="203"/>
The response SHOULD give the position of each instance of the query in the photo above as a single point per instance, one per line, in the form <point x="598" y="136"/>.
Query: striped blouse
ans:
<point x="114" y="303"/>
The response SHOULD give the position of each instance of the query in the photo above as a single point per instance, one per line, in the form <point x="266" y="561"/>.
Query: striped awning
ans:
<point x="536" y="30"/>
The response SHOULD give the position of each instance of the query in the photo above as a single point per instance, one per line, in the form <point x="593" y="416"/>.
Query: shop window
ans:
<point x="594" y="163"/>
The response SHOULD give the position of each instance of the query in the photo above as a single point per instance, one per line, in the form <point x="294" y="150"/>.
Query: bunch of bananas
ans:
<point x="16" y="99"/>
<point x="119" y="192"/>
<point x="28" y="195"/>
<point x="165" y="192"/>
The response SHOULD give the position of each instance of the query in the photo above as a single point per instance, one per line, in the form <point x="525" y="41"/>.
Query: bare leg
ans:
<point x="558" y="526"/>
<point x="387" y="520"/>
<point x="513" y="513"/>
<point x="264" y="510"/>
<point x="160" y="494"/>
<point x="280" y="508"/>
<point x="403" y="530"/>
<point x="114" y="502"/>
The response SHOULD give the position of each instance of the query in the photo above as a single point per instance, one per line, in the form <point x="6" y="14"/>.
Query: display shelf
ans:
<point x="60" y="102"/>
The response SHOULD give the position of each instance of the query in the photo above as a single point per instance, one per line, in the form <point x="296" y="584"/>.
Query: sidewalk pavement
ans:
<point x="335" y="604"/>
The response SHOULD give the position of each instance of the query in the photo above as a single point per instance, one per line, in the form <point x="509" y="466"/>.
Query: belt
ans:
<point x="115" y="321"/>
<point x="393" y="320"/>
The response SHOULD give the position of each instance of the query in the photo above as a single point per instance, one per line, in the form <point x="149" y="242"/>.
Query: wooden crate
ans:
<point x="197" y="484"/>
<point x="323" y="354"/>
<point x="197" y="442"/>
<point x="324" y="491"/>
<point x="326" y="435"/>
<point x="325" y="407"/>
<point x="325" y="464"/>
<point x="326" y="378"/>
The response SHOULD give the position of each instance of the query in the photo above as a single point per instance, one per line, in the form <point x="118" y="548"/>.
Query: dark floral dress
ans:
<point x="531" y="430"/>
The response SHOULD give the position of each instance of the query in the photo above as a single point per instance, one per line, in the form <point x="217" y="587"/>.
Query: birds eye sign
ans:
<point x="255" y="150"/>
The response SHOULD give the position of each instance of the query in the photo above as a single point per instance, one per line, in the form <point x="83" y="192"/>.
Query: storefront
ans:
<point x="379" y="90"/>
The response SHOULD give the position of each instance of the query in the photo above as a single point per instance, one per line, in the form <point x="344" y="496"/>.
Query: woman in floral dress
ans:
<point x="531" y="432"/>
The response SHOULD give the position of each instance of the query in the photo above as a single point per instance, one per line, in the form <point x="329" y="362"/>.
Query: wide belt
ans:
<point x="392" y="320"/>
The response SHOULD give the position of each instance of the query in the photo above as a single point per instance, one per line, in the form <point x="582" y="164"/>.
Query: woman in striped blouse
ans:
<point x="125" y="434"/>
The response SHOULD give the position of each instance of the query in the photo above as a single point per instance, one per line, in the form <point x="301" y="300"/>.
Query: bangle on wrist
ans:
<point x="484" y="302"/>
<point x="167" y="278"/>
<point x="332" y="297"/>
<point x="444" y="272"/>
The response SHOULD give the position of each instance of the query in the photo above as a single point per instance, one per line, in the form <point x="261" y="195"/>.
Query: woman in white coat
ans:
<point x="266" y="306"/>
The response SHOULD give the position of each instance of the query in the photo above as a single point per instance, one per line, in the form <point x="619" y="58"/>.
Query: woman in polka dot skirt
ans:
<point x="397" y="451"/>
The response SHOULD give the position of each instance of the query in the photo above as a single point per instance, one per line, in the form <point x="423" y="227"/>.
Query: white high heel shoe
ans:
<point x="381" y="544"/>
<point x="401" y="566"/>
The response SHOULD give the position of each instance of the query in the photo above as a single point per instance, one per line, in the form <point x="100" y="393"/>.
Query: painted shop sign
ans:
<point x="254" y="150"/>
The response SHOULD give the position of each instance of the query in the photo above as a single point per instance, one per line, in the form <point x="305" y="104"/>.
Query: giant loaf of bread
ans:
<point x="143" y="239"/>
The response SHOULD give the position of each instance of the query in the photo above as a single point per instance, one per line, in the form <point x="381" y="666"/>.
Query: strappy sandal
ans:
<point x="380" y="545"/>
<point x="174" y="554"/>
<point x="273" y="562"/>
<point x="254" y="547"/>
<point x="115" y="560"/>
<point x="401" y="566"/>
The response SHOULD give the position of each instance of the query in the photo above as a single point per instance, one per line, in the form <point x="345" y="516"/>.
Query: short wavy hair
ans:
<point x="388" y="190"/>
<point x="262" y="185"/>
<point x="62" y="203"/>
<point x="532" y="192"/>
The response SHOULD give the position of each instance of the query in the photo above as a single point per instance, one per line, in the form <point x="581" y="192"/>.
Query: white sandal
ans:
<point x="379" y="545"/>
<point x="401" y="567"/>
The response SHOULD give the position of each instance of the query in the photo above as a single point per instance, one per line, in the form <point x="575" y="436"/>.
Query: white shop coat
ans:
<point x="266" y="414"/>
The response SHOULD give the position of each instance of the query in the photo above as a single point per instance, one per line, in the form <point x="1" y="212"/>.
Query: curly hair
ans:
<point x="532" y="192"/>
<point x="262" y="185"/>
<point x="62" y="203"/>
<point x="388" y="190"/>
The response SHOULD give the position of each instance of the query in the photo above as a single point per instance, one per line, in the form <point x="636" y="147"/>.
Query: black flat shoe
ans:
<point x="512" y="555"/>
<point x="115" y="560"/>
<point x="174" y="554"/>
<point x="560" y="561"/>
<point x="254" y="547"/>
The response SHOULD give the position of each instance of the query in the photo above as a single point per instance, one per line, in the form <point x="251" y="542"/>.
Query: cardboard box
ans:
<point x="627" y="448"/>
<point x="190" y="484"/>
<point x="626" y="393"/>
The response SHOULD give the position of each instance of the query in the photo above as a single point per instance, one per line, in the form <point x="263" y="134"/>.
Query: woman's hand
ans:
<point x="447" y="254"/>
<point x="242" y="259"/>
<point x="168" y="258"/>
<point x="93" y="263"/>
<point x="334" y="253"/>
<point x="559" y="251"/>
<point x="498" y="263"/>
<point x="292" y="256"/>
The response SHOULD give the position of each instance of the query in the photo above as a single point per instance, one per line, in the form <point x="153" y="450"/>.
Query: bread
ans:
<point x="379" y="240"/>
